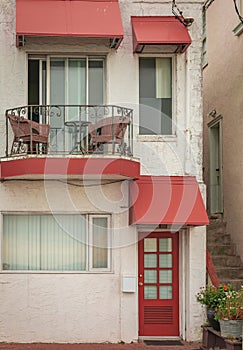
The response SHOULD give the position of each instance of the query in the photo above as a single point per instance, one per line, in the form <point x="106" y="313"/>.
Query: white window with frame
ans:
<point x="155" y="95"/>
<point x="73" y="243"/>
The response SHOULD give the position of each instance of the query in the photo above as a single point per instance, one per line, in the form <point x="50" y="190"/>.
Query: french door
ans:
<point x="158" y="285"/>
<point x="63" y="81"/>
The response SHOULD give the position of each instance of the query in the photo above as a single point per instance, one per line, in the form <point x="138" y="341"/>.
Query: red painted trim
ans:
<point x="211" y="270"/>
<point x="159" y="30"/>
<point x="69" y="166"/>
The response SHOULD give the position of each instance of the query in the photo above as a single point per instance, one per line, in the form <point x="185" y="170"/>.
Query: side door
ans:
<point x="158" y="282"/>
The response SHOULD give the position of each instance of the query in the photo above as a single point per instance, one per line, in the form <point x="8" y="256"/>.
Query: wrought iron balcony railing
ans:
<point x="69" y="129"/>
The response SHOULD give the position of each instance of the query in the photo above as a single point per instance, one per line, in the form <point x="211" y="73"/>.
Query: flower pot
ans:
<point x="231" y="328"/>
<point x="232" y="345"/>
<point x="210" y="316"/>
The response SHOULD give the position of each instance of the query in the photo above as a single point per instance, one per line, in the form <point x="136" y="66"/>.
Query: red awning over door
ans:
<point x="81" y="18"/>
<point x="159" y="34"/>
<point x="171" y="200"/>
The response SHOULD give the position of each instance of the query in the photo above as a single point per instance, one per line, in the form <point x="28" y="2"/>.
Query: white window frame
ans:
<point x="172" y="136"/>
<point x="89" y="246"/>
<point x="48" y="57"/>
<point x="90" y="256"/>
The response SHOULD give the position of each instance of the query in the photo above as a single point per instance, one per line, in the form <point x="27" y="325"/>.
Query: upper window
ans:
<point x="54" y="80"/>
<point x="155" y="96"/>
<point x="55" y="243"/>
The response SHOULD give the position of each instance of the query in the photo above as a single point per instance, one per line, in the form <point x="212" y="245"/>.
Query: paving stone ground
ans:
<point x="133" y="346"/>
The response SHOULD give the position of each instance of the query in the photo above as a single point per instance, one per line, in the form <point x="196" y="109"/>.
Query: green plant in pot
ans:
<point x="211" y="297"/>
<point x="230" y="313"/>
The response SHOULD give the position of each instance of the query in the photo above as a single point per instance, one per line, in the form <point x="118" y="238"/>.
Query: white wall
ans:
<point x="86" y="307"/>
<point x="70" y="307"/>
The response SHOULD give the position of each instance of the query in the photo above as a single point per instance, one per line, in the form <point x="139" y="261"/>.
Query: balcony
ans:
<point x="69" y="129"/>
<point x="73" y="140"/>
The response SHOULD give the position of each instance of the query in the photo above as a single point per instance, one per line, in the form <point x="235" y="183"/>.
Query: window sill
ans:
<point x="238" y="29"/>
<point x="156" y="138"/>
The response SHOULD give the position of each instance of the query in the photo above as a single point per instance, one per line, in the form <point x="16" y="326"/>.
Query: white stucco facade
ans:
<point x="90" y="306"/>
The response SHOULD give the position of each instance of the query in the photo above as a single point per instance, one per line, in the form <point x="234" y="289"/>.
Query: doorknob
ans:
<point x="140" y="284"/>
<point x="140" y="275"/>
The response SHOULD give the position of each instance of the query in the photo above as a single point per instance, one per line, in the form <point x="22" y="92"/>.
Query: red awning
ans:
<point x="171" y="200"/>
<point x="81" y="18"/>
<point x="159" y="34"/>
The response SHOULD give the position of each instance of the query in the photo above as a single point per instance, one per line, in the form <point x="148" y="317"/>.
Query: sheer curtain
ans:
<point x="44" y="242"/>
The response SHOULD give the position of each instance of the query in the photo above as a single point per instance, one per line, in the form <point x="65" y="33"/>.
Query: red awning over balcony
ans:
<point x="171" y="200"/>
<point x="79" y="18"/>
<point x="159" y="34"/>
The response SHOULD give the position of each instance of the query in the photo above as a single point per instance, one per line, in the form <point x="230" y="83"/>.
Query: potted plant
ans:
<point x="211" y="297"/>
<point x="230" y="313"/>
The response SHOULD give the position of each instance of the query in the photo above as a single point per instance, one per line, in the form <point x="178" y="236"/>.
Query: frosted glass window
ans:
<point x="150" y="292"/>
<point x="150" y="244"/>
<point x="150" y="260"/>
<point x="53" y="242"/>
<point x="150" y="276"/>
<point x="165" y="260"/>
<point x="165" y="292"/>
<point x="165" y="245"/>
<point x="100" y="243"/>
<point x="165" y="276"/>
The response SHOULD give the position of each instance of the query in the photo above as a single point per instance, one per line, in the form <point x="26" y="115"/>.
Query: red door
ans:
<point x="158" y="285"/>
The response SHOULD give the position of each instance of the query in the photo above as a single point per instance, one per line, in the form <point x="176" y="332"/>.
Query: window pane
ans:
<point x="150" y="260"/>
<point x="165" y="292"/>
<point x="150" y="292"/>
<point x="155" y="96"/>
<point x="57" y="97"/>
<point x="44" y="242"/>
<point x="100" y="243"/>
<point x="57" y="88"/>
<point x="150" y="244"/>
<point x="150" y="276"/>
<point x="96" y="83"/>
<point x="76" y="86"/>
<point x="165" y="244"/>
<point x="165" y="260"/>
<point x="165" y="276"/>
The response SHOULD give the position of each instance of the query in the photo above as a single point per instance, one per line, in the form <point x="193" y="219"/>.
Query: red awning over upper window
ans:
<point x="171" y="200"/>
<point x="159" y="34"/>
<point x="80" y="18"/>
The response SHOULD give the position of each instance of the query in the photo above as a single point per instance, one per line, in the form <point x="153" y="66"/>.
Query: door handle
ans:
<point x="140" y="284"/>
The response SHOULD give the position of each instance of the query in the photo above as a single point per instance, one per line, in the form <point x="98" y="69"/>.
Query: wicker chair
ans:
<point x="108" y="130"/>
<point x="28" y="135"/>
